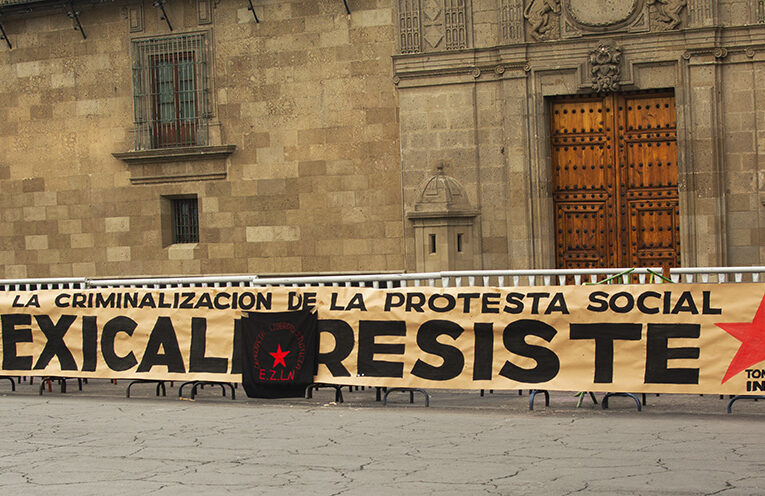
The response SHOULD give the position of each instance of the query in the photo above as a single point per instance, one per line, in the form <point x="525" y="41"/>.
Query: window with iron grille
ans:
<point x="171" y="92"/>
<point x="185" y="220"/>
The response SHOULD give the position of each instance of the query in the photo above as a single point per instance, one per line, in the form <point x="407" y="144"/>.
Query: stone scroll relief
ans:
<point x="554" y="19"/>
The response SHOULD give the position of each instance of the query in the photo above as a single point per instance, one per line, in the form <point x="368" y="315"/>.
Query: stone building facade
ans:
<point x="489" y="109"/>
<point x="185" y="137"/>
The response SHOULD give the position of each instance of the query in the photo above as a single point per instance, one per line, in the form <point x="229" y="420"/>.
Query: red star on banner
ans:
<point x="279" y="356"/>
<point x="752" y="337"/>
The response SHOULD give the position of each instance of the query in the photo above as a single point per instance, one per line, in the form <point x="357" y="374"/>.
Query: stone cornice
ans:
<point x="175" y="154"/>
<point x="442" y="214"/>
<point x="488" y="64"/>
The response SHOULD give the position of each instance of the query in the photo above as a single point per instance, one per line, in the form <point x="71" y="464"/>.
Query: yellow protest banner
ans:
<point x="700" y="338"/>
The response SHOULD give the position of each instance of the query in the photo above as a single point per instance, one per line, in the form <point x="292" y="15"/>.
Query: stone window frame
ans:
<point x="172" y="233"/>
<point x="179" y="163"/>
<point x="177" y="60"/>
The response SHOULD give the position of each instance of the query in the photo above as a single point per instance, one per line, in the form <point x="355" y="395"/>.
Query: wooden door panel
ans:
<point x="579" y="115"/>
<point x="581" y="167"/>
<point x="583" y="182"/>
<point x="647" y="143"/>
<point x="650" y="164"/>
<point x="649" y="111"/>
<point x="583" y="236"/>
<point x="654" y="232"/>
<point x="614" y="160"/>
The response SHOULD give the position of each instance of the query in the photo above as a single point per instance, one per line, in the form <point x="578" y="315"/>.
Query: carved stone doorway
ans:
<point x="614" y="179"/>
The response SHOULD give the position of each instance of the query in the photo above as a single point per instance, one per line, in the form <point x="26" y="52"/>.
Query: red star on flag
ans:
<point x="279" y="356"/>
<point x="752" y="337"/>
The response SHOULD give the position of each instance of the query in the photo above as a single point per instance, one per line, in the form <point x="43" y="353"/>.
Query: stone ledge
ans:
<point x="442" y="214"/>
<point x="178" y="178"/>
<point x="175" y="154"/>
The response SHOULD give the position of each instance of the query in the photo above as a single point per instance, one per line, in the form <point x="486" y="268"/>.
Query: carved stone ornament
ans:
<point x="605" y="67"/>
<point x="538" y="14"/>
<point x="582" y="17"/>
<point x="668" y="11"/>
<point x="596" y="13"/>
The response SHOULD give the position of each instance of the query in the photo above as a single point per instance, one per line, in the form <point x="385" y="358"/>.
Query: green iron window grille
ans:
<point x="171" y="92"/>
<point x="185" y="220"/>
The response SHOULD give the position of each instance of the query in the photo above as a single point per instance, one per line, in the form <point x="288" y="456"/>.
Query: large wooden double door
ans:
<point x="614" y="179"/>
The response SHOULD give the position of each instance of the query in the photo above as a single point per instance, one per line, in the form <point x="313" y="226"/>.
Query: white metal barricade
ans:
<point x="486" y="278"/>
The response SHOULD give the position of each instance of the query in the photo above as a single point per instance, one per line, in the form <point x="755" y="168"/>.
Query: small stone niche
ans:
<point x="443" y="225"/>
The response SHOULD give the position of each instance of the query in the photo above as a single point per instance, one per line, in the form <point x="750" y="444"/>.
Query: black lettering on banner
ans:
<point x="249" y="302"/>
<point x="448" y="306"/>
<point x="54" y="344"/>
<point x="514" y="303"/>
<point x="641" y="304"/>
<point x="342" y="333"/>
<point x="105" y="302"/>
<point x="12" y="335"/>
<point x="61" y="300"/>
<point x="707" y="304"/>
<point x="204" y="301"/>
<point x="32" y="301"/>
<point x="309" y="300"/>
<point x="162" y="335"/>
<point x="604" y="335"/>
<point x="466" y="300"/>
<point x="187" y="299"/>
<point x="535" y="297"/>
<point x="131" y="300"/>
<point x="483" y="356"/>
<point x="392" y="300"/>
<point x="514" y="338"/>
<point x="658" y="353"/>
<point x="558" y="304"/>
<point x="198" y="362"/>
<point x="333" y="306"/>
<point x="89" y="343"/>
<point x="147" y="301"/>
<point x="489" y="303"/>
<point x="685" y="304"/>
<point x="427" y="340"/>
<point x="415" y="301"/>
<point x="356" y="303"/>
<point x="294" y="300"/>
<point x="598" y="301"/>
<point x="219" y="305"/>
<point x="108" y="336"/>
<point x="78" y="300"/>
<point x="367" y="365"/>
<point x="161" y="303"/>
<point x="615" y="306"/>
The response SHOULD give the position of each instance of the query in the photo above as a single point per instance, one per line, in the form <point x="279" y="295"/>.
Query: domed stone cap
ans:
<point x="442" y="196"/>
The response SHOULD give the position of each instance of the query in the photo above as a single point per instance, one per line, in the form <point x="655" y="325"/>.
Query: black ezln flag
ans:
<point x="278" y="353"/>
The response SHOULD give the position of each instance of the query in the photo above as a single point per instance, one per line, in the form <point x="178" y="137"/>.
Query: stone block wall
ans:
<point x="710" y="57"/>
<point x="305" y="96"/>
<point x="335" y="130"/>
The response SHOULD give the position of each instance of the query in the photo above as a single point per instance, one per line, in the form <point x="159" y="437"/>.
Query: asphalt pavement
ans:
<point x="98" y="442"/>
